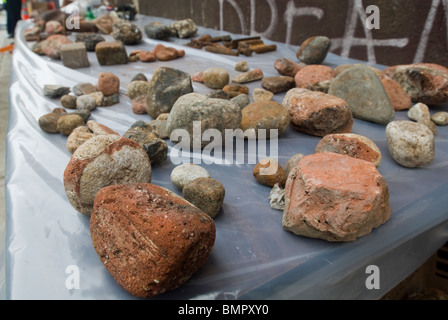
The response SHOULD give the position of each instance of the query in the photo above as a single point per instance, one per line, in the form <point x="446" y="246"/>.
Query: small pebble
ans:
<point x="216" y="78"/>
<point x="440" y="118"/>
<point x="288" y="67"/>
<point x="139" y="77"/>
<point x="48" y="122"/>
<point x="185" y="173"/>
<point x="68" y="101"/>
<point x="84" y="88"/>
<point x="314" y="50"/>
<point x="111" y="100"/>
<point x="269" y="172"/>
<point x="241" y="66"/>
<point x="218" y="94"/>
<point x="98" y="96"/>
<point x="277" y="197"/>
<point x="241" y="100"/>
<point x="249" y="76"/>
<point x="205" y="193"/>
<point x="420" y="113"/>
<point x="108" y="83"/>
<point x="68" y="122"/>
<point x="234" y="89"/>
<point x="55" y="91"/>
<point x="260" y="94"/>
<point x="278" y="84"/>
<point x="85" y="102"/>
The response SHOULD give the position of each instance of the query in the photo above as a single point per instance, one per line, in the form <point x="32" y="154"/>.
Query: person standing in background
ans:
<point x="13" y="10"/>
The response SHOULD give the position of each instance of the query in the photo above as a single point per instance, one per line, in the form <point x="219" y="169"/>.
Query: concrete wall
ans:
<point x="409" y="30"/>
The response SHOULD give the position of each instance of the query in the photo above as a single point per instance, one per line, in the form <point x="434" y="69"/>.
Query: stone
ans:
<point x="51" y="46"/>
<point x="216" y="78"/>
<point x="291" y="95"/>
<point x="55" y="91"/>
<point x="85" y="114"/>
<point x="287" y="67"/>
<point x="352" y="145"/>
<point x="292" y="162"/>
<point x="157" y="30"/>
<point x="322" y="86"/>
<point x="163" y="116"/>
<point x="310" y="76"/>
<point x="164" y="53"/>
<point x="78" y="136"/>
<point x="335" y="198"/>
<point x="440" y="118"/>
<point x="205" y="193"/>
<point x="104" y="23"/>
<point x="85" y="102"/>
<point x="277" y="197"/>
<point x="137" y="88"/>
<point x="152" y="231"/>
<point x="267" y="116"/>
<point x="241" y="66"/>
<point x="278" y="84"/>
<point x="235" y="89"/>
<point x="68" y="122"/>
<point x="399" y="98"/>
<point x="90" y="39"/>
<point x="339" y="69"/>
<point x="424" y="82"/>
<point x="260" y="94"/>
<point x="218" y="94"/>
<point x="249" y="76"/>
<point x="84" y="88"/>
<point x="111" y="53"/>
<point x="198" y="77"/>
<point x="185" y="28"/>
<point x="166" y="86"/>
<point x="99" y="129"/>
<point x="48" y="122"/>
<point x="241" y="100"/>
<point x="74" y="55"/>
<point x="361" y="88"/>
<point x="98" y="96"/>
<point x="218" y="114"/>
<point x="53" y="27"/>
<point x="159" y="127"/>
<point x="317" y="113"/>
<point x="314" y="50"/>
<point x="126" y="32"/>
<point x="101" y="161"/>
<point x="184" y="174"/>
<point x="420" y="113"/>
<point x="269" y="172"/>
<point x="154" y="146"/>
<point x="108" y="83"/>
<point x="111" y="100"/>
<point x="139" y="105"/>
<point x="68" y="101"/>
<point x="139" y="77"/>
<point x="411" y="144"/>
<point x="147" y="56"/>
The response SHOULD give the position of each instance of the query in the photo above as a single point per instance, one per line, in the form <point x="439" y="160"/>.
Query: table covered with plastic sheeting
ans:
<point x="48" y="241"/>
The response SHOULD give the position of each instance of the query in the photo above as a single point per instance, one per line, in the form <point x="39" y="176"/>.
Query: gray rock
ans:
<point x="126" y="32"/>
<point x="90" y="39"/>
<point x="420" y="113"/>
<point x="157" y="30"/>
<point x="165" y="87"/>
<point x="218" y="94"/>
<point x="86" y="102"/>
<point x="184" y="28"/>
<point x="186" y="173"/>
<point x="241" y="100"/>
<point x="205" y="193"/>
<point x="361" y="88"/>
<point x="84" y="88"/>
<point x="440" y="118"/>
<point x="111" y="100"/>
<point x="411" y="144"/>
<point x="55" y="91"/>
<point x="159" y="127"/>
<point x="314" y="50"/>
<point x="139" y="77"/>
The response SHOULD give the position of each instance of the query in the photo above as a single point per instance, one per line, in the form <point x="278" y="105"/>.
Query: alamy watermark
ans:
<point x="72" y="21"/>
<point x="72" y="280"/>
<point x="373" y="21"/>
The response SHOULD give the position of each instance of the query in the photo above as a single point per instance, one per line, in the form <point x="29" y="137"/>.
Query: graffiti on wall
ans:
<point x="357" y="16"/>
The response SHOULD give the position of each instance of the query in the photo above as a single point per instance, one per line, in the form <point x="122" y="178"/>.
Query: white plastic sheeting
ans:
<point x="47" y="241"/>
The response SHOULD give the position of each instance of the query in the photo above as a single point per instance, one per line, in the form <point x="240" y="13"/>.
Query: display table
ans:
<point x="253" y="257"/>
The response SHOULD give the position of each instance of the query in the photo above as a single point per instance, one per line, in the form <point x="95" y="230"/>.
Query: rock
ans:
<point x="322" y="86"/>
<point x="98" y="96"/>
<point x="420" y="113"/>
<point x="235" y="89"/>
<point x="269" y="172"/>
<point x="104" y="24"/>
<point x="90" y="39"/>
<point x="241" y="100"/>
<point x="165" y="87"/>
<point x="139" y="77"/>
<point x="53" y="27"/>
<point x="440" y="118"/>
<point x="84" y="88"/>
<point x="205" y="193"/>
<point x="163" y="116"/>
<point x="292" y="95"/>
<point x="55" y="91"/>
<point x="74" y="55"/>
<point x="164" y="241"/>
<point x="277" y="197"/>
<point x="51" y="46"/>
<point x="318" y="113"/>
<point x="164" y="53"/>
<point x="314" y="50"/>
<point x="218" y="94"/>
<point x="48" y="122"/>
<point x="158" y="31"/>
<point x="139" y="105"/>
<point x="216" y="114"/>
<point x="241" y="66"/>
<point x="184" y="28"/>
<point x="101" y="161"/>
<point x="424" y="82"/>
<point x="147" y="56"/>
<point x="108" y="83"/>
<point x="99" y="129"/>
<point x="126" y="32"/>
<point x="68" y="101"/>
<point x="292" y="162"/>
<point x="350" y="144"/>
<point x="399" y="99"/>
<point x="85" y="102"/>
<point x="111" y="100"/>
<point x="335" y="198"/>
<point x="411" y="144"/>
<point x="361" y="88"/>
<point x="260" y="94"/>
<point x="249" y="76"/>
<point x="85" y="114"/>
<point x="216" y="78"/>
<point x="78" y="136"/>
<point x="267" y="116"/>
<point x="154" y="146"/>
<point x="198" y="77"/>
<point x="339" y="69"/>
<point x="111" y="53"/>
<point x="278" y="84"/>
<point x="288" y="67"/>
<point x="138" y="88"/>
<point x="68" y="122"/>
<point x="184" y="174"/>
<point x="159" y="127"/>
<point x="310" y="76"/>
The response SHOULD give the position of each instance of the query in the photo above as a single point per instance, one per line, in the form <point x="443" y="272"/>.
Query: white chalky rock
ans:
<point x="186" y="173"/>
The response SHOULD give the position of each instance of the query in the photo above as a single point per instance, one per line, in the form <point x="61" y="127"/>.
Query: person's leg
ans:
<point x="13" y="10"/>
